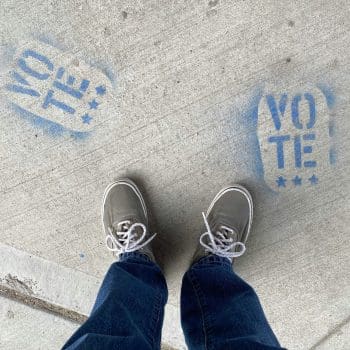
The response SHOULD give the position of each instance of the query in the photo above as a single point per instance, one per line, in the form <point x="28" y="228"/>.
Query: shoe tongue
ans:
<point x="124" y="226"/>
<point x="223" y="226"/>
<point x="126" y="222"/>
<point x="229" y="232"/>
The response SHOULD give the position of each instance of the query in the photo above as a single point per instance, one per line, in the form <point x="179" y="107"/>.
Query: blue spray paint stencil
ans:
<point x="295" y="132"/>
<point x="55" y="91"/>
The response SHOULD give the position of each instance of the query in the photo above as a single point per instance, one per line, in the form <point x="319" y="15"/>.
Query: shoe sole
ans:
<point x="133" y="186"/>
<point x="249" y="198"/>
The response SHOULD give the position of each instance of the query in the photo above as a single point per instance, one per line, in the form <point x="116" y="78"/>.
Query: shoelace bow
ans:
<point x="125" y="239"/>
<point x="220" y="243"/>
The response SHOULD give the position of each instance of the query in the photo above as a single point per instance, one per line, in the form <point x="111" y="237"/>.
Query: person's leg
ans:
<point x="129" y="308"/>
<point x="221" y="311"/>
<point x="218" y="309"/>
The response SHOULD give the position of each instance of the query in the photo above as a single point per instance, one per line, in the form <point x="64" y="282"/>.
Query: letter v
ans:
<point x="276" y="113"/>
<point x="21" y="89"/>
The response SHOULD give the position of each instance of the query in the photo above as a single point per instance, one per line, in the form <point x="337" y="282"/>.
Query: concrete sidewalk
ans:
<point x="185" y="97"/>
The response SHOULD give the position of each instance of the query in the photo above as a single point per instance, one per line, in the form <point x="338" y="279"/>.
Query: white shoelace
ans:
<point x="220" y="243"/>
<point x="125" y="239"/>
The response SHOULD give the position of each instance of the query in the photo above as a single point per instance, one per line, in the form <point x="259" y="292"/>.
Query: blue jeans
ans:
<point x="218" y="309"/>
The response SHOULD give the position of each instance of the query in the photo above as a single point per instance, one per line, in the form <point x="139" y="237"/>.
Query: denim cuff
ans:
<point x="213" y="259"/>
<point x="135" y="256"/>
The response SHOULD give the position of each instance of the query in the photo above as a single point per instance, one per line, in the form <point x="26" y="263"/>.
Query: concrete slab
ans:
<point x="25" y="328"/>
<point x="63" y="292"/>
<point x="197" y="95"/>
<point x="338" y="339"/>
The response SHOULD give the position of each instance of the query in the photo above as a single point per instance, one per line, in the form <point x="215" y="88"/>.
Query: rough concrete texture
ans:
<point x="25" y="328"/>
<point x="61" y="291"/>
<point x="199" y="94"/>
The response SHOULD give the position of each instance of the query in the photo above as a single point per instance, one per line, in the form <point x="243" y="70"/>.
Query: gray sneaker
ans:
<point x="228" y="221"/>
<point x="125" y="219"/>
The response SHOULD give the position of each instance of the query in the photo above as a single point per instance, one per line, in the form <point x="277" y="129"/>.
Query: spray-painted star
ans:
<point x="313" y="180"/>
<point x="100" y="90"/>
<point x="86" y="119"/>
<point x="281" y="181"/>
<point x="297" y="181"/>
<point x="93" y="104"/>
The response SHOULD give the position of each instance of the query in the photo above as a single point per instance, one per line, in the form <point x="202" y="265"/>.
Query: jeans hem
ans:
<point x="135" y="256"/>
<point x="212" y="260"/>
